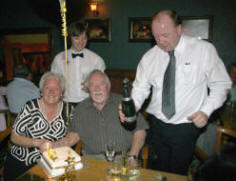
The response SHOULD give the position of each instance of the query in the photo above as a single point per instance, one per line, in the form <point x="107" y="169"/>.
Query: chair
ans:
<point x="200" y="154"/>
<point x="78" y="147"/>
<point x="222" y="130"/>
<point x="10" y="117"/>
<point x="144" y="156"/>
<point x="3" y="136"/>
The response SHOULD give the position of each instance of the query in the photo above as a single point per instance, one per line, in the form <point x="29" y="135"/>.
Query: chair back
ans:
<point x="9" y="116"/>
<point x="221" y="131"/>
<point x="78" y="147"/>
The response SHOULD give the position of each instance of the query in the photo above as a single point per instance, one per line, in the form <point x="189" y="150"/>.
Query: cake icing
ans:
<point x="54" y="160"/>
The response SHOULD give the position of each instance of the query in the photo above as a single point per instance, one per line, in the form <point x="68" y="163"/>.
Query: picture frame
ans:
<point x="99" y="29"/>
<point x="198" y="26"/>
<point x="140" y="29"/>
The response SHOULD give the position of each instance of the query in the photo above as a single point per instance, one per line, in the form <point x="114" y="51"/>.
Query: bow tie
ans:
<point x="74" y="55"/>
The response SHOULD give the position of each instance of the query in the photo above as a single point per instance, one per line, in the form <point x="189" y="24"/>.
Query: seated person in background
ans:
<point x="219" y="167"/>
<point x="40" y="124"/>
<point x="21" y="89"/>
<point x="232" y="91"/>
<point x="96" y="122"/>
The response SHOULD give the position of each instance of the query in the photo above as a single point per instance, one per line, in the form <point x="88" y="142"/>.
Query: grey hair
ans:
<point x="51" y="75"/>
<point x="94" y="72"/>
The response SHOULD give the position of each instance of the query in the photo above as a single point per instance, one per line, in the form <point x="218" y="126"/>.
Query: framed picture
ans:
<point x="140" y="30"/>
<point x="198" y="26"/>
<point x="99" y="30"/>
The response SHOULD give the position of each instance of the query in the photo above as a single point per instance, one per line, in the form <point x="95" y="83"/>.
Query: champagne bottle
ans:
<point x="128" y="107"/>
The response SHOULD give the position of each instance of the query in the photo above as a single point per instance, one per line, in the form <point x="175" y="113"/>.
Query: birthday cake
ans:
<point x="54" y="161"/>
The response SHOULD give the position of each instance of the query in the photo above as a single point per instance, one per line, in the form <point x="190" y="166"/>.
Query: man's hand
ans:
<point x="199" y="119"/>
<point x="121" y="114"/>
<point x="132" y="162"/>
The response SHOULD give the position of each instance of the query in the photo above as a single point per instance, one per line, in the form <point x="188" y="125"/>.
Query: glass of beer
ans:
<point x="116" y="171"/>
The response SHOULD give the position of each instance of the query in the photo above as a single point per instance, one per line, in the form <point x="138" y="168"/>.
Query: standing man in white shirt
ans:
<point x="198" y="69"/>
<point x="81" y="61"/>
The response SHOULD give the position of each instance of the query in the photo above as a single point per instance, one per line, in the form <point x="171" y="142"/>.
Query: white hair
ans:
<point x="51" y="75"/>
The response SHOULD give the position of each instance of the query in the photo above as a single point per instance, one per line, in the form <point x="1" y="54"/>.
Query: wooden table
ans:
<point x="97" y="171"/>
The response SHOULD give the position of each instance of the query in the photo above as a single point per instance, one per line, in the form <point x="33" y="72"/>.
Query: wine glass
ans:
<point x="110" y="151"/>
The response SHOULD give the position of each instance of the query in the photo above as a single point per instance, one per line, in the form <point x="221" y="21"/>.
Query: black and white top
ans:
<point x="31" y="123"/>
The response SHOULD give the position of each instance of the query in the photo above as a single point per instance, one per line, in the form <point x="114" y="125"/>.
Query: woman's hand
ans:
<point x="45" y="145"/>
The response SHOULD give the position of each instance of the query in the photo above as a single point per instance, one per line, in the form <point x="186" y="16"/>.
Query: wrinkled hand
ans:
<point x="121" y="114"/>
<point x="199" y="119"/>
<point x="72" y="138"/>
<point x="132" y="162"/>
<point x="46" y="145"/>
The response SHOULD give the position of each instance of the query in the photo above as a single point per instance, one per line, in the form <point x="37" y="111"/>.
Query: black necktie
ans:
<point x="74" y="55"/>
<point x="168" y="92"/>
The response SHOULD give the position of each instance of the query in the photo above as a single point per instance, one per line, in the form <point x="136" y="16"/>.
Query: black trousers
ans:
<point x="14" y="168"/>
<point x="171" y="147"/>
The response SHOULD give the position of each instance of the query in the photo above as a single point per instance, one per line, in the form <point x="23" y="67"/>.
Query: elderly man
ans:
<point x="96" y="122"/>
<point x="180" y="69"/>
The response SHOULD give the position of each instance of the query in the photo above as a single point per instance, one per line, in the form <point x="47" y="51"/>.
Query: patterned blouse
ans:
<point x="31" y="123"/>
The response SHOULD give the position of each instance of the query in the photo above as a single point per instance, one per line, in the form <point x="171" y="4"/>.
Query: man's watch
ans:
<point x="134" y="157"/>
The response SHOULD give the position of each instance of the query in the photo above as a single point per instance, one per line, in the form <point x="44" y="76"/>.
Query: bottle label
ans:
<point x="131" y="119"/>
<point x="126" y="98"/>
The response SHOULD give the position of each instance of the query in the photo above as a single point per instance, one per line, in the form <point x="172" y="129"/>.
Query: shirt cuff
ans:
<point x="207" y="110"/>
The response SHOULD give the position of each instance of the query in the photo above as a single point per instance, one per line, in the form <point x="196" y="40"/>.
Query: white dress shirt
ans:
<point x="198" y="67"/>
<point x="78" y="70"/>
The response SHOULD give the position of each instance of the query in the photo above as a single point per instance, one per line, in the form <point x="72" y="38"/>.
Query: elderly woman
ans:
<point x="40" y="124"/>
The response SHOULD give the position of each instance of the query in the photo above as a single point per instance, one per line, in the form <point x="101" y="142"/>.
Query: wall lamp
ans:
<point x="94" y="8"/>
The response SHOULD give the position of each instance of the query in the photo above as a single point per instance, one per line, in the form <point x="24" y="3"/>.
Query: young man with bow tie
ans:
<point x="81" y="61"/>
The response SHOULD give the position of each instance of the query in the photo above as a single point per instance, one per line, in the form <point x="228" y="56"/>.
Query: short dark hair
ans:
<point x="172" y="14"/>
<point x="21" y="70"/>
<point x="77" y="28"/>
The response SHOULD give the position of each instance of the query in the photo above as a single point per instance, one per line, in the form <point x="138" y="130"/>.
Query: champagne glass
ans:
<point x="110" y="151"/>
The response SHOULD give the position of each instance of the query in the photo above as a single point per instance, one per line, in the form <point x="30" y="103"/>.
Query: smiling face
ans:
<point x="98" y="88"/>
<point x="79" y="42"/>
<point x="51" y="91"/>
<point x="165" y="32"/>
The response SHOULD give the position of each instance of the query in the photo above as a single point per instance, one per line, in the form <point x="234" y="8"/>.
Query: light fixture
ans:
<point x="94" y="8"/>
<point x="93" y="4"/>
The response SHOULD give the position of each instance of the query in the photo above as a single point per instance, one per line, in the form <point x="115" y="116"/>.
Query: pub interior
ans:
<point x="31" y="33"/>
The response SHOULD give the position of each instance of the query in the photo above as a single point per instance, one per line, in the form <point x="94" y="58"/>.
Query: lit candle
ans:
<point x="47" y="146"/>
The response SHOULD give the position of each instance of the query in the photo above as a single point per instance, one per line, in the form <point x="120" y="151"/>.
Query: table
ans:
<point x="96" y="171"/>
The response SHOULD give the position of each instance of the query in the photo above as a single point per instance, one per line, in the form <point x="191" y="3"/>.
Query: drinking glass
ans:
<point x="110" y="151"/>
<point x="134" y="170"/>
<point x="116" y="171"/>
